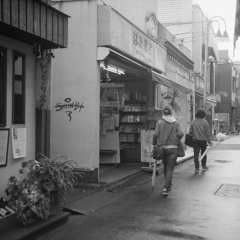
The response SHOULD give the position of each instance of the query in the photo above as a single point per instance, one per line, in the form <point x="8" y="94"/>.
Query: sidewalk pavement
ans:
<point x="115" y="178"/>
<point x="90" y="197"/>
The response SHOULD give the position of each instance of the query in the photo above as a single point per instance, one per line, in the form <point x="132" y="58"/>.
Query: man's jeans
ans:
<point x="197" y="146"/>
<point x="169" y="162"/>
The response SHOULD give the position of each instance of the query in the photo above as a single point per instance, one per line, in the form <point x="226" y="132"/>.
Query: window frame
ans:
<point x="4" y="98"/>
<point x="23" y="87"/>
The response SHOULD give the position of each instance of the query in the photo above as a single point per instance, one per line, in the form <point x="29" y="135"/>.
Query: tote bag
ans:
<point x="181" y="151"/>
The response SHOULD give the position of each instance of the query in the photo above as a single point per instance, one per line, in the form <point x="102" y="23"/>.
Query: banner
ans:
<point x="43" y="82"/>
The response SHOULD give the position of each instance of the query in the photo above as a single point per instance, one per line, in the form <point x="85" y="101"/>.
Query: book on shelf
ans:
<point x="137" y="118"/>
<point x="136" y="107"/>
<point x="143" y="108"/>
<point x="130" y="138"/>
<point x="123" y="137"/>
<point x="130" y="118"/>
<point x="130" y="129"/>
<point x="143" y="118"/>
<point x="122" y="128"/>
<point x="127" y="108"/>
<point x="124" y="118"/>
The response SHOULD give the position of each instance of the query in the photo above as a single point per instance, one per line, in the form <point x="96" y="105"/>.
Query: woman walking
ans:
<point x="168" y="131"/>
<point x="237" y="124"/>
<point x="200" y="132"/>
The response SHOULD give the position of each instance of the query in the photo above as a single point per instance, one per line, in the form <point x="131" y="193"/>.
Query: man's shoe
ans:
<point x="165" y="192"/>
<point x="169" y="187"/>
<point x="205" y="168"/>
<point x="196" y="170"/>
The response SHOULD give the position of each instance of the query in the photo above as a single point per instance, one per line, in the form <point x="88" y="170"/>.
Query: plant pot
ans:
<point x="54" y="209"/>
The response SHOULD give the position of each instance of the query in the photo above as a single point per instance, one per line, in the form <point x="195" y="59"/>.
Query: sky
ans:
<point x="225" y="9"/>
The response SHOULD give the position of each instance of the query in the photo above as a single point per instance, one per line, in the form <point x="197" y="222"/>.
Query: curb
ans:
<point x="104" y="185"/>
<point x="138" y="177"/>
<point x="122" y="182"/>
<point x="113" y="185"/>
<point x="41" y="227"/>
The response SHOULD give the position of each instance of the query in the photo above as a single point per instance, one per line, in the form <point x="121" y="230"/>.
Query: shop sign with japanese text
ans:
<point x="126" y="37"/>
<point x="199" y="83"/>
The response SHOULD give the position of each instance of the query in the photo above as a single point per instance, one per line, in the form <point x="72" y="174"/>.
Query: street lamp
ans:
<point x="225" y="35"/>
<point x="174" y="36"/>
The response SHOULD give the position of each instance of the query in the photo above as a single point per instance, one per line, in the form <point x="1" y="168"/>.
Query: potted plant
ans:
<point x="41" y="185"/>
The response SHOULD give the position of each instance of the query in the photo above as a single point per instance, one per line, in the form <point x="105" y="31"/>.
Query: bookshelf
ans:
<point x="132" y="120"/>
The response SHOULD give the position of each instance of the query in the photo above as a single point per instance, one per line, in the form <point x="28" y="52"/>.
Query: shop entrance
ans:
<point x="126" y="93"/>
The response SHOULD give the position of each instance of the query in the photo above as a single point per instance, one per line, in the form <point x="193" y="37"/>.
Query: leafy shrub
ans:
<point x="40" y="185"/>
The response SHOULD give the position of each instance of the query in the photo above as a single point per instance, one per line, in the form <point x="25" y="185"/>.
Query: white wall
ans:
<point x="172" y="12"/>
<point x="76" y="76"/>
<point x="13" y="165"/>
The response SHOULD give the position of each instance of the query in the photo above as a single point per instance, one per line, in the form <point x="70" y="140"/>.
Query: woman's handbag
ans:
<point x="181" y="151"/>
<point x="188" y="140"/>
<point x="157" y="152"/>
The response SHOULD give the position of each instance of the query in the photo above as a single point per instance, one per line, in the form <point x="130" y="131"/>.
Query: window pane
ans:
<point x="3" y="90"/>
<point x="18" y="88"/>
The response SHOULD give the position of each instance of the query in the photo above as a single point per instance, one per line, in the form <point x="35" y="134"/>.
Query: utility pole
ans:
<point x="206" y="64"/>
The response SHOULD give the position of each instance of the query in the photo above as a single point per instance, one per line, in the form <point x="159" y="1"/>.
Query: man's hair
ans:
<point x="200" y="113"/>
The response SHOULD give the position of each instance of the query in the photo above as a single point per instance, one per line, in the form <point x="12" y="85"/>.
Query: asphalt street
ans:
<point x="200" y="206"/>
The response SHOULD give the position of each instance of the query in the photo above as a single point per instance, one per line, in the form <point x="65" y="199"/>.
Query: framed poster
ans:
<point x="4" y="136"/>
<point x="19" y="142"/>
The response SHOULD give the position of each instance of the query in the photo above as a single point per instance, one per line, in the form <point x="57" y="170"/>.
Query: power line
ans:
<point x="182" y="23"/>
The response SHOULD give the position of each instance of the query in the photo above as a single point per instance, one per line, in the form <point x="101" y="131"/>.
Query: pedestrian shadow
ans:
<point x="196" y="175"/>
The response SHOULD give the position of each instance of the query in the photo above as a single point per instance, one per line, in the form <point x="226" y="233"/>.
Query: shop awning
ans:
<point x="34" y="21"/>
<point x="143" y="70"/>
<point x="124" y="61"/>
<point x="171" y="84"/>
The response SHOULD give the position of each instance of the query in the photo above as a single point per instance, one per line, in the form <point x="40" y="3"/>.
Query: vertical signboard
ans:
<point x="43" y="82"/>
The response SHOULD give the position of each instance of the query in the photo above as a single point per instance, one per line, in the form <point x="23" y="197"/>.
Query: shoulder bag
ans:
<point x="188" y="140"/>
<point x="158" y="151"/>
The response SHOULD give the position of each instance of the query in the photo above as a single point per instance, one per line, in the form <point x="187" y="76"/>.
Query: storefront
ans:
<point x="180" y="85"/>
<point x="199" y="88"/>
<point x="211" y="101"/>
<point x="137" y="77"/>
<point x="128" y="60"/>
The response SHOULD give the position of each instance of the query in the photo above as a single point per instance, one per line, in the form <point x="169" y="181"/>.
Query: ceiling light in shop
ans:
<point x="112" y="68"/>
